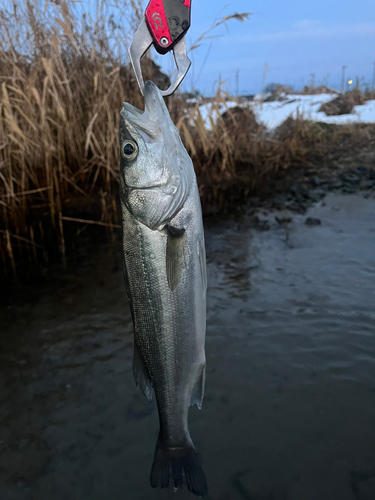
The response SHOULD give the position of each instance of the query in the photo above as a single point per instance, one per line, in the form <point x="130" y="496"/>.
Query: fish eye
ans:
<point x="129" y="150"/>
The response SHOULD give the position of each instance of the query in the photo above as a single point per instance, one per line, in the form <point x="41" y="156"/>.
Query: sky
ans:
<point x="282" y="41"/>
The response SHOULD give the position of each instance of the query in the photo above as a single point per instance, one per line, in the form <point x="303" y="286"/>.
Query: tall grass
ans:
<point x="62" y="86"/>
<point x="236" y="153"/>
<point x="63" y="78"/>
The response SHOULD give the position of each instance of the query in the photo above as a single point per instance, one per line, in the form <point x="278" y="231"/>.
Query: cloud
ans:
<point x="307" y="28"/>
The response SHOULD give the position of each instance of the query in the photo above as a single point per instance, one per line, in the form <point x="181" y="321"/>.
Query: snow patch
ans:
<point x="274" y="113"/>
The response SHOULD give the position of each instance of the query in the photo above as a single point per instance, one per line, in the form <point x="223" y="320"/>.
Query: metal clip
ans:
<point x="142" y="41"/>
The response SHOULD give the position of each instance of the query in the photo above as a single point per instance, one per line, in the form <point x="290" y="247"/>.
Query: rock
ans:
<point x="367" y="184"/>
<point x="317" y="181"/>
<point x="317" y="195"/>
<point x="279" y="206"/>
<point x="299" y="192"/>
<point x="283" y="220"/>
<point x="311" y="221"/>
<point x="361" y="170"/>
<point x="254" y="200"/>
<point x="349" y="189"/>
<point x="335" y="185"/>
<point x="279" y="198"/>
<point x="319" y="192"/>
<point x="296" y="206"/>
<point x="262" y="225"/>
<point x="352" y="178"/>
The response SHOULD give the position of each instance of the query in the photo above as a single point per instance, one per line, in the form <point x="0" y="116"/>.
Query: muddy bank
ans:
<point x="289" y="410"/>
<point x="344" y="167"/>
<point x="297" y="189"/>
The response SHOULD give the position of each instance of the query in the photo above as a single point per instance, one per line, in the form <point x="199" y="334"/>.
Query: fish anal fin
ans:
<point x="202" y="265"/>
<point x="127" y="287"/>
<point x="141" y="375"/>
<point x="197" y="393"/>
<point x="175" y="255"/>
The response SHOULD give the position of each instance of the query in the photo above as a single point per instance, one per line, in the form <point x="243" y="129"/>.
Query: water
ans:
<point x="289" y="411"/>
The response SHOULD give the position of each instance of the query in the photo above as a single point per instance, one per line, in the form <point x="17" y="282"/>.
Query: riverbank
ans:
<point x="59" y="151"/>
<point x="345" y="165"/>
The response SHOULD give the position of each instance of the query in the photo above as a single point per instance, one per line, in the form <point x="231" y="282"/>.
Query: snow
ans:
<point x="272" y="114"/>
<point x="261" y="97"/>
<point x="209" y="112"/>
<point x="366" y="112"/>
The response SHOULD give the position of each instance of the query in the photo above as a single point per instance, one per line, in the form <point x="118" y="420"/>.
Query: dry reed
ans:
<point x="62" y="86"/>
<point x="62" y="83"/>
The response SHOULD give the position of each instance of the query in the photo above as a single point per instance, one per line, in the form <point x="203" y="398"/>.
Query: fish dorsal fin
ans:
<point x="141" y="375"/>
<point x="175" y="255"/>
<point x="197" y="393"/>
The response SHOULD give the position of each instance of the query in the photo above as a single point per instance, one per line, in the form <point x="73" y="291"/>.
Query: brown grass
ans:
<point x="62" y="86"/>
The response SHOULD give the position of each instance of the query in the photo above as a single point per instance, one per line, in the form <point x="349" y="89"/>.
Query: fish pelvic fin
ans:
<point x="197" y="393"/>
<point x="183" y="463"/>
<point x="141" y="375"/>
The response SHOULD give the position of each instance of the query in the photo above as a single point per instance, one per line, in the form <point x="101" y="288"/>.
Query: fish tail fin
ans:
<point x="183" y="462"/>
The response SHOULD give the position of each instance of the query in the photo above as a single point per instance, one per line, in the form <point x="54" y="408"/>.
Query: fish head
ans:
<point x="156" y="170"/>
<point x="150" y="143"/>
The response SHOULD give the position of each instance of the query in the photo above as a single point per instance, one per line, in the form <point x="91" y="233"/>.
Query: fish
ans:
<point x="166" y="281"/>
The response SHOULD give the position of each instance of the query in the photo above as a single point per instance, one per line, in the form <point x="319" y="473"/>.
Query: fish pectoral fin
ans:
<point x="141" y="376"/>
<point x="175" y="255"/>
<point x="197" y="393"/>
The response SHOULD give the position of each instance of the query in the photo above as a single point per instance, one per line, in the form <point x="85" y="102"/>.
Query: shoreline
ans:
<point x="292" y="191"/>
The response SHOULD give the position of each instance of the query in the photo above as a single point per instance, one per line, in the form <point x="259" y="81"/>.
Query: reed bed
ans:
<point x="63" y="78"/>
<point x="62" y="86"/>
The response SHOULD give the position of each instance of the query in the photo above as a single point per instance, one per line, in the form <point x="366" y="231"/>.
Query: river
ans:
<point x="289" y="410"/>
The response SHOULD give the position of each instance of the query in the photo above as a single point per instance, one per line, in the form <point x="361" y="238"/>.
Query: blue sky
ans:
<point x="295" y="38"/>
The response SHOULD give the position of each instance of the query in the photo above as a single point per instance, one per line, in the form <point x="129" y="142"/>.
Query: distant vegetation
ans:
<point x="62" y="88"/>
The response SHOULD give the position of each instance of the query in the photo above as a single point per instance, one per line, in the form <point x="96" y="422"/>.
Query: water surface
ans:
<point x="289" y="411"/>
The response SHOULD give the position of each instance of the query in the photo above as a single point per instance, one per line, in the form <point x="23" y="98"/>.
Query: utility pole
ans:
<point x="373" y="78"/>
<point x="312" y="85"/>
<point x="237" y="82"/>
<point x="343" y="79"/>
<point x="265" y="71"/>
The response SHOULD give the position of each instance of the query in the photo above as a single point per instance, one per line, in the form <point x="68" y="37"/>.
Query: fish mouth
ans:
<point x="138" y="123"/>
<point x="154" y="101"/>
<point x="149" y="120"/>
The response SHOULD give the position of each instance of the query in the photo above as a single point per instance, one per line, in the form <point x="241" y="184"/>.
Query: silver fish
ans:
<point x="165" y="278"/>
